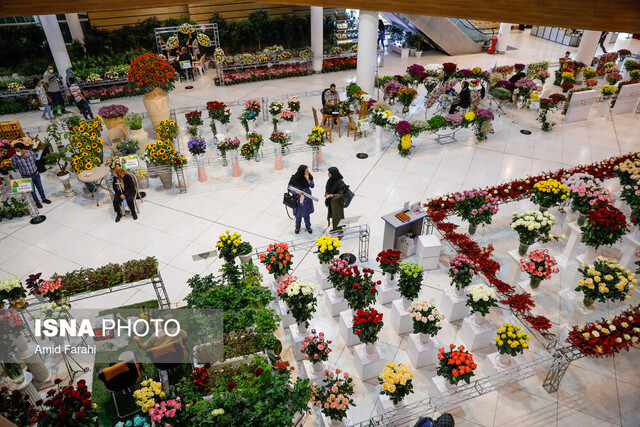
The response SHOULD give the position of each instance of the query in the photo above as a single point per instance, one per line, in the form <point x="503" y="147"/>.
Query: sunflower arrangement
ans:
<point x="85" y="144"/>
<point x="167" y="130"/>
<point x="159" y="152"/>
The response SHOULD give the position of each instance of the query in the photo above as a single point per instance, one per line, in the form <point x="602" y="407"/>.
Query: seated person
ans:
<point x="464" y="96"/>
<point x="331" y="99"/>
<point x="517" y="76"/>
<point x="124" y="189"/>
<point x="184" y="56"/>
<point x="566" y="57"/>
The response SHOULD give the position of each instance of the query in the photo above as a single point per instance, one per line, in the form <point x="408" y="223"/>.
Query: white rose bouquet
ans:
<point x="481" y="298"/>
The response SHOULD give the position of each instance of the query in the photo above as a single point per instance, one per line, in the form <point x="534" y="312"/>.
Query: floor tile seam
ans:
<point x="583" y="412"/>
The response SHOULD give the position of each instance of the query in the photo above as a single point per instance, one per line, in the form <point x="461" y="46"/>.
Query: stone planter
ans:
<point x="156" y="103"/>
<point x="111" y="122"/>
<point x="64" y="178"/>
<point x="166" y="178"/>
<point x="142" y="137"/>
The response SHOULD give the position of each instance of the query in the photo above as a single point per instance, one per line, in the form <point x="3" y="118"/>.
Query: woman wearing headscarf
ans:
<point x="333" y="194"/>
<point x="125" y="190"/>
<point x="303" y="181"/>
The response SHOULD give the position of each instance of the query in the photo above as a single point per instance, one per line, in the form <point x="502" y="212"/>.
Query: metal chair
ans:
<point x="121" y="377"/>
<point x="169" y="356"/>
<point x="327" y="129"/>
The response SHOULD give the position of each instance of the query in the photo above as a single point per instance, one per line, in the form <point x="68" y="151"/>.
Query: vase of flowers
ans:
<point x="510" y="341"/>
<point x="316" y="350"/>
<point x="367" y="324"/>
<point x="461" y="270"/>
<point x="405" y="96"/>
<point x="244" y="252"/>
<point x="482" y="123"/>
<point x="112" y="115"/>
<point x="605" y="281"/>
<point x="333" y="397"/>
<point x="532" y="226"/>
<point x="301" y="301"/>
<point x="338" y="277"/>
<point x="426" y="319"/>
<point x="359" y="287"/>
<point x="287" y="116"/>
<point x="194" y="119"/>
<point x="277" y="259"/>
<point x="327" y="248"/>
<point x="548" y="193"/>
<point x="397" y="382"/>
<point x="389" y="264"/>
<point x="275" y="108"/>
<point x="539" y="265"/>
<point x="405" y="131"/>
<point x="11" y="290"/>
<point x="13" y="369"/>
<point x="228" y="246"/>
<point x="605" y="225"/>
<point x="481" y="298"/>
<point x="225" y="146"/>
<point x="197" y="147"/>
<point x="456" y="365"/>
<point x="410" y="281"/>
<point x="280" y="142"/>
<point x="155" y="76"/>
<point x="585" y="192"/>
<point x="476" y="207"/>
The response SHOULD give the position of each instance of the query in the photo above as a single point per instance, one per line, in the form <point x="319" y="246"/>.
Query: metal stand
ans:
<point x="499" y="105"/>
<point x="443" y="139"/>
<point x="315" y="166"/>
<point x="562" y="359"/>
<point x="67" y="358"/>
<point x="161" y="291"/>
<point x="36" y="218"/>
<point x="182" y="182"/>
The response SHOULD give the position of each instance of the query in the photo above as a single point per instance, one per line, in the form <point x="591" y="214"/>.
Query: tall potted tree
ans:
<point x="54" y="137"/>
<point x="155" y="76"/>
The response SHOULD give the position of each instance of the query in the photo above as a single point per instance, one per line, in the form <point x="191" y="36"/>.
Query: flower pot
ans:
<point x="458" y="292"/>
<point x="251" y="125"/>
<point x="406" y="303"/>
<point x="401" y="404"/>
<point x="339" y="293"/>
<point x="523" y="249"/>
<point x="504" y="360"/>
<point x="317" y="367"/>
<point x="370" y="348"/>
<point x="418" y="53"/>
<point x="478" y="318"/>
<point x="39" y="297"/>
<point x="534" y="282"/>
<point x="392" y="280"/>
<point x="335" y="423"/>
<point x="156" y="103"/>
<point x="424" y="338"/>
<point x="21" y="343"/>
<point x="111" y="122"/>
<point x="142" y="137"/>
<point x="14" y="371"/>
<point x="449" y="386"/>
<point x="302" y="329"/>
<point x="64" y="179"/>
<point x="543" y="208"/>
<point x="166" y="178"/>
<point x="473" y="228"/>
<point x="588" y="302"/>
<point x="18" y="303"/>
<point x="244" y="259"/>
<point x="324" y="267"/>
<point x="63" y="301"/>
<point x="235" y="165"/>
<point x="590" y="255"/>
<point x="581" y="219"/>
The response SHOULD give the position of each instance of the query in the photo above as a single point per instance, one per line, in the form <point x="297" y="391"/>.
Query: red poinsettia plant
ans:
<point x="456" y="364"/>
<point x="367" y="324"/>
<point x="315" y="347"/>
<point x="389" y="261"/>
<point x="277" y="259"/>
<point x="359" y="287"/>
<point x="149" y="71"/>
<point x="605" y="225"/>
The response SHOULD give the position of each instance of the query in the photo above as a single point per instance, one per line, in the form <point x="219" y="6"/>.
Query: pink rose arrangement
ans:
<point x="462" y="270"/>
<point x="282" y="284"/>
<point x="166" y="409"/>
<point x="287" y="115"/>
<point x="333" y="397"/>
<point x="539" y="265"/>
<point x="51" y="289"/>
<point x="591" y="82"/>
<point x="315" y="347"/>
<point x="253" y="105"/>
<point x="475" y="206"/>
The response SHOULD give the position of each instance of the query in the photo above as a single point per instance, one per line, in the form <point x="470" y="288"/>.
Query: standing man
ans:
<point x="43" y="98"/>
<point x="25" y="161"/>
<point x="603" y="37"/>
<point x="81" y="101"/>
<point x="52" y="83"/>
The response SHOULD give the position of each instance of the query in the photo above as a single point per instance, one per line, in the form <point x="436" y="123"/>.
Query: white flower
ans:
<point x="596" y="334"/>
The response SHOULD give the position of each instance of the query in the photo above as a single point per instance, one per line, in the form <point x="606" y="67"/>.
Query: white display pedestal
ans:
<point x="575" y="298"/>
<point x="631" y="244"/>
<point x="422" y="354"/>
<point x="335" y="303"/>
<point x="571" y="216"/>
<point x="326" y="422"/>
<point x="346" y="329"/>
<point x="308" y="369"/>
<point x="572" y="243"/>
<point x="440" y="383"/>
<point x="387" y="293"/>
<point x="428" y="251"/>
<point x="515" y="271"/>
<point x="297" y="341"/>
<point x="322" y="278"/>
<point x="385" y="405"/>
<point x="491" y="366"/>
<point x="401" y="318"/>
<point x="453" y="306"/>
<point x="285" y="314"/>
<point x="476" y="336"/>
<point x="589" y="256"/>
<point x="368" y="366"/>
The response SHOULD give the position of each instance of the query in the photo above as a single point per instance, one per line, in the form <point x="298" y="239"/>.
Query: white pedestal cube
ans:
<point x="368" y="366"/>
<point x="453" y="306"/>
<point x="401" y="318"/>
<point x="285" y="315"/>
<point x="297" y="341"/>
<point x="526" y="286"/>
<point x="570" y="217"/>
<point x="326" y="422"/>
<point x="346" y="329"/>
<point x="311" y="374"/>
<point x="430" y="263"/>
<point x="322" y="278"/>
<point x="428" y="246"/>
<point x="631" y="243"/>
<point x="474" y="337"/>
<point x="491" y="366"/>
<point x="387" y="293"/>
<point x="441" y="385"/>
<point x="385" y="405"/>
<point x="422" y="354"/>
<point x="514" y="272"/>
<point x="572" y="244"/>
<point x="335" y="303"/>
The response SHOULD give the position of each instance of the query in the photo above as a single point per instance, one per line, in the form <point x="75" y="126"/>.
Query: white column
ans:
<point x="588" y="46"/>
<point x="74" y="27"/>
<point x="56" y="43"/>
<point x="503" y="40"/>
<point x="317" y="24"/>
<point x="367" y="50"/>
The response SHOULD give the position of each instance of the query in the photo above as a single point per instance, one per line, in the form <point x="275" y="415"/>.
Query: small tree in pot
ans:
<point x="61" y="160"/>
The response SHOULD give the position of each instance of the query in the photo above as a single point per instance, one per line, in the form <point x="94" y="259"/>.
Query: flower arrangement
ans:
<point x="481" y="298"/>
<point x="589" y="73"/>
<point x="510" y="341"/>
<point x="406" y="96"/>
<point x="389" y="262"/>
<point x="255" y="139"/>
<point x="248" y="151"/>
<point x="605" y="225"/>
<point x="333" y="397"/>
<point x="94" y="77"/>
<point x="397" y="381"/>
<point x="219" y="111"/>
<point x="141" y="173"/>
<point x="315" y="347"/>
<point x="524" y="87"/>
<point x="280" y="138"/>
<point x="316" y="137"/>
<point x="404" y="131"/>
<point x="10" y="328"/>
<point x="162" y="412"/>
<point x="379" y="117"/>
<point x="448" y="68"/>
<point x="476" y="207"/>
<point x="568" y="76"/>
<point x="410" y="280"/>
<point x="359" y="287"/>
<point x="293" y="103"/>
<point x="533" y="226"/>
<point x="608" y="90"/>
<point x="367" y="324"/>
<point x="584" y="195"/>
<point x="145" y="396"/>
<point x="461" y="270"/>
<point x="426" y="317"/>
<point x="167" y="130"/>
<point x="438" y="91"/>
<point x="327" y="248"/>
<point x="605" y="281"/>
<point x="247" y="116"/>
<point x="159" y="152"/>
<point x="275" y="107"/>
<point x="456" y="364"/>
<point x="197" y="146"/>
<point x="203" y="40"/>
<point x="253" y="105"/>
<point x="186" y="28"/>
<point x="547" y="114"/>
<point x="338" y="273"/>
<point x="287" y="115"/>
<point x="591" y="82"/>
<point x="85" y="144"/>
<point x="613" y="78"/>
<point x="15" y="87"/>
<point x="194" y="119"/>
<point x="391" y="89"/>
<point x="52" y="289"/>
<point x="68" y="406"/>
<point x="566" y="86"/>
<point x="112" y="111"/>
<point x="150" y="71"/>
<point x="543" y="76"/>
<point x="11" y="289"/>
<point x="454" y="120"/>
<point x="482" y="123"/>
<point x="300" y="300"/>
<point x="277" y="259"/>
<point x="549" y="193"/>
<point x="539" y="265"/>
<point x="228" y="245"/>
<point x="127" y="148"/>
<point x="557" y="98"/>
<point x="228" y="144"/>
<point x="504" y="69"/>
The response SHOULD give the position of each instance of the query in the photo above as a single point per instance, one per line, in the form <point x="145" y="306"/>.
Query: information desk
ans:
<point x="394" y="228"/>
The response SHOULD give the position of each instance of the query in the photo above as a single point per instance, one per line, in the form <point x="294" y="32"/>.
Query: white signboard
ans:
<point x="129" y="162"/>
<point x="580" y="105"/>
<point x="628" y="98"/>
<point x="23" y="185"/>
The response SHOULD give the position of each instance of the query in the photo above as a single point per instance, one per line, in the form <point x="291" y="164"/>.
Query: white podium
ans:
<point x="631" y="244"/>
<point x="285" y="314"/>
<point x="387" y="293"/>
<point x="572" y="244"/>
<point x="477" y="336"/>
<point x="515" y="271"/>
<point x="491" y="366"/>
<point x="297" y="341"/>
<point x="428" y="252"/>
<point x="346" y="329"/>
<point x="453" y="306"/>
<point x="327" y="422"/>
<point x="322" y="278"/>
<point x="401" y="318"/>
<point x="385" y="406"/>
<point x="311" y="374"/>
<point x="422" y="354"/>
<point x="442" y="385"/>
<point x="368" y="366"/>
<point x="336" y="303"/>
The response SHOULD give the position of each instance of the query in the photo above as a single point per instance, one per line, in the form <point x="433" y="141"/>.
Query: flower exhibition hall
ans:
<point x="266" y="214"/>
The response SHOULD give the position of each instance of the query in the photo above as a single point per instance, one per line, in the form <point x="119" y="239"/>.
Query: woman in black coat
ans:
<point x="465" y="98"/>
<point x="124" y="189"/>
<point x="303" y="181"/>
<point x="333" y="194"/>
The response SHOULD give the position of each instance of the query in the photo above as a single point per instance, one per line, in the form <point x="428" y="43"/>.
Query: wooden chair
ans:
<point x="327" y="128"/>
<point x="353" y="126"/>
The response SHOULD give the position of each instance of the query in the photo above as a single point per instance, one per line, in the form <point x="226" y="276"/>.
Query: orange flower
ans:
<point x="441" y="350"/>
<point x="273" y="258"/>
<point x="452" y="346"/>
<point x="455" y="373"/>
<point x="268" y="268"/>
<point x="284" y="262"/>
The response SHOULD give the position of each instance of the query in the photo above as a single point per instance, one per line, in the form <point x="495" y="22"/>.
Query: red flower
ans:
<point x="258" y="372"/>
<point x="231" y="385"/>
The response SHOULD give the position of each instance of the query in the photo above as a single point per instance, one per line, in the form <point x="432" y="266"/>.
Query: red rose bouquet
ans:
<point x="566" y="86"/>
<point x="315" y="347"/>
<point x="605" y="225"/>
<point x="68" y="406"/>
<point x="150" y="71"/>
<point x="456" y="364"/>
<point x="359" y="287"/>
<point x="277" y="259"/>
<point x="539" y="265"/>
<point x="367" y="324"/>
<point x="333" y="397"/>
<point x="389" y="262"/>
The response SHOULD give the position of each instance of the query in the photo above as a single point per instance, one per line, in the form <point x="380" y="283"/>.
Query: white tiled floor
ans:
<point x="174" y="226"/>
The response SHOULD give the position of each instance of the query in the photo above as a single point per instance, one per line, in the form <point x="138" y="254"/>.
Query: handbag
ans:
<point x="347" y="197"/>
<point x="289" y="201"/>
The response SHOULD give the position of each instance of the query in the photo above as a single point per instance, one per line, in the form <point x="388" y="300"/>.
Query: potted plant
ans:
<point x="73" y="408"/>
<point x="229" y="145"/>
<point x="359" y="287"/>
<point x="13" y="369"/>
<point x="127" y="148"/>
<point x="112" y="114"/>
<point x="15" y="406"/>
<point x="397" y="383"/>
<point x="53" y="291"/>
<point x="548" y="193"/>
<point x="455" y="365"/>
<point x="153" y="74"/>
<point x="461" y="271"/>
<point x="338" y="275"/>
<point x="316" y="140"/>
<point x="326" y="249"/>
<point x="480" y="299"/>
<point x="367" y="324"/>
<point x="510" y="342"/>
<point x="33" y="283"/>
<point x="405" y="96"/>
<point x="248" y="151"/>
<point x="143" y="178"/>
<point x="280" y="142"/>
<point x="197" y="147"/>
<point x="277" y="259"/>
<point x="532" y="226"/>
<point x="61" y="160"/>
<point x="136" y="133"/>
<point x="194" y="119"/>
<point x="605" y="225"/>
<point x="476" y="207"/>
<point x="301" y="301"/>
<point x="228" y="246"/>
<point x="605" y="281"/>
<point x="11" y="290"/>
<point x="316" y="350"/>
<point x="426" y="319"/>
<point x="333" y="397"/>
<point x="539" y="265"/>
<point x="244" y="252"/>
<point x="410" y="281"/>
<point x="389" y="264"/>
<point x="162" y="153"/>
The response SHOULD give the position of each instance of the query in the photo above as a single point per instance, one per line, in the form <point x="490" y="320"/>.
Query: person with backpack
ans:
<point x="302" y="180"/>
<point x="334" y="191"/>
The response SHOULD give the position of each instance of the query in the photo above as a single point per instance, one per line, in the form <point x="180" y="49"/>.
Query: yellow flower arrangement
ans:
<point x="510" y="340"/>
<point x="388" y="113"/>
<point x="145" y="396"/>
<point x="396" y="381"/>
<point x="85" y="145"/>
<point x="228" y="245"/>
<point x="317" y="129"/>
<point x="470" y="116"/>
<point x="405" y="142"/>
<point x="549" y="192"/>
<point x="167" y="130"/>
<point x="534" y="96"/>
<point x="606" y="280"/>
<point x="476" y="71"/>
<point x="327" y="248"/>
<point x="568" y="75"/>
<point x="629" y="167"/>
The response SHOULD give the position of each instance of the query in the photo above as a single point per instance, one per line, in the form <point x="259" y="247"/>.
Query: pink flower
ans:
<point x="315" y="356"/>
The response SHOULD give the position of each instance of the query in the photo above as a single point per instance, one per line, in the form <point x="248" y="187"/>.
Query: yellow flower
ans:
<point x="405" y="142"/>
<point x="470" y="116"/>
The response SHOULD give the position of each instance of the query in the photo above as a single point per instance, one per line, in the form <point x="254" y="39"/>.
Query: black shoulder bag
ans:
<point x="347" y="197"/>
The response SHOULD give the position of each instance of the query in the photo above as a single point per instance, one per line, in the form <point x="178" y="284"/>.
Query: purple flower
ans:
<point x="545" y="101"/>
<point x="112" y="111"/>
<point x="526" y="84"/>
<point x="465" y="72"/>
<point x="519" y="67"/>
<point x="197" y="146"/>
<point x="454" y="119"/>
<point x="415" y="70"/>
<point x="502" y="83"/>
<point x="403" y="128"/>
<point x="483" y="113"/>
